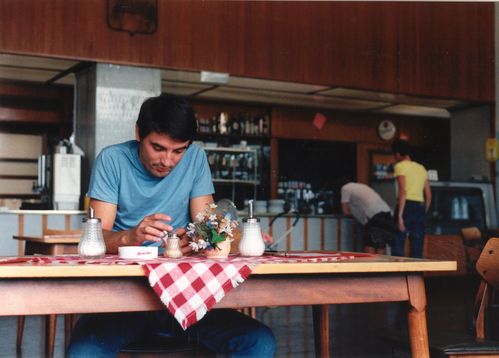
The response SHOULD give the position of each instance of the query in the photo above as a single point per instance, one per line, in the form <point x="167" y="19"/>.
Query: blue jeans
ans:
<point x="414" y="217"/>
<point x="224" y="331"/>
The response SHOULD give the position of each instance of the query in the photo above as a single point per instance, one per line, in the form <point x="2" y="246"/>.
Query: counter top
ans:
<point x="243" y="213"/>
<point x="43" y="212"/>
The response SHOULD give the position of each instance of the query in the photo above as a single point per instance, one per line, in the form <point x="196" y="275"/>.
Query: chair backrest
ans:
<point x="488" y="263"/>
<point x="471" y="234"/>
<point x="488" y="268"/>
<point x="472" y="245"/>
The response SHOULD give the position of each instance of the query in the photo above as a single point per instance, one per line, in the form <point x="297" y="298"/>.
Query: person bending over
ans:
<point x="372" y="212"/>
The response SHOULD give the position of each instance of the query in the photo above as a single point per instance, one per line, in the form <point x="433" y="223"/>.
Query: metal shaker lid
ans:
<point x="90" y="218"/>
<point x="250" y="218"/>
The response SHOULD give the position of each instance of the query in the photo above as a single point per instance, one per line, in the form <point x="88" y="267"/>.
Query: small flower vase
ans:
<point x="221" y="252"/>
<point x="173" y="249"/>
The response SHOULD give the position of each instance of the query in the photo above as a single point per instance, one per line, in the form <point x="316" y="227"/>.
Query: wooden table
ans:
<point x="50" y="244"/>
<point x="65" y="289"/>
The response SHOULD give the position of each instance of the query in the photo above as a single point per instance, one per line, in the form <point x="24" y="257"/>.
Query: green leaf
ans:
<point x="216" y="237"/>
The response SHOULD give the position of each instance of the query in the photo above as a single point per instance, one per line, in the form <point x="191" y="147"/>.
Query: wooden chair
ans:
<point x="473" y="243"/>
<point x="488" y="268"/>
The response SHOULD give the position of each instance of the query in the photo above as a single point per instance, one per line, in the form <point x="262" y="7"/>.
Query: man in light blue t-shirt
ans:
<point x="139" y="189"/>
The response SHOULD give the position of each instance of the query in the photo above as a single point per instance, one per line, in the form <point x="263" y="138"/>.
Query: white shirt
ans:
<point x="363" y="201"/>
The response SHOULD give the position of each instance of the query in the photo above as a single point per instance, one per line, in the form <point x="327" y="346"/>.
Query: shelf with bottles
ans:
<point x="230" y="119"/>
<point x="235" y="124"/>
<point x="233" y="165"/>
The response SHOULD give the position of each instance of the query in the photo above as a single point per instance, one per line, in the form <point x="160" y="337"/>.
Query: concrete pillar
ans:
<point x="107" y="103"/>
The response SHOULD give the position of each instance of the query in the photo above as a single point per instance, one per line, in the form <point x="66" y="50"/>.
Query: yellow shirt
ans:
<point x="415" y="178"/>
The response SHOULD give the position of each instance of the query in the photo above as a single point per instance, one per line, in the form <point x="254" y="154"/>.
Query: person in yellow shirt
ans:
<point x="413" y="200"/>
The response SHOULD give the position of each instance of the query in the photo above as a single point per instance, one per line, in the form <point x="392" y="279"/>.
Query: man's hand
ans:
<point x="151" y="228"/>
<point x="400" y="224"/>
<point x="184" y="241"/>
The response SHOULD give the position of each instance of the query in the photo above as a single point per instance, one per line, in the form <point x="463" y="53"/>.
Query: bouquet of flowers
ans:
<point x="213" y="225"/>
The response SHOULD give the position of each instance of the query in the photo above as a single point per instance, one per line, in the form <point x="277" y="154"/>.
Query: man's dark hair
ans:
<point x="402" y="147"/>
<point x="167" y="114"/>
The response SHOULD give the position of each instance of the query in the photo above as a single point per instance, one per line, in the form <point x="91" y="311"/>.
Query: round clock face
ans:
<point x="386" y="129"/>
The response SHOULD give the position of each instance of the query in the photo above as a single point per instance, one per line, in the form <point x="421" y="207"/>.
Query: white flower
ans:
<point x="194" y="246"/>
<point x="213" y="206"/>
<point x="202" y="244"/>
<point x="212" y="217"/>
<point x="200" y="216"/>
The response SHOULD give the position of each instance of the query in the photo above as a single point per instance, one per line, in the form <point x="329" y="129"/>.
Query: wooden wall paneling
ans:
<point x="421" y="48"/>
<point x="28" y="116"/>
<point x="288" y="122"/>
<point x="436" y="54"/>
<point x="40" y="104"/>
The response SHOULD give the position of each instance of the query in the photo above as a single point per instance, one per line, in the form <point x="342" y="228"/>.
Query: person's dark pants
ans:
<point x="224" y="331"/>
<point x="379" y="231"/>
<point x="414" y="217"/>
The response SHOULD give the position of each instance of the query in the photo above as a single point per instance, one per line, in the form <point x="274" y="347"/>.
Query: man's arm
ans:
<point x="401" y="202"/>
<point x="199" y="204"/>
<point x="346" y="209"/>
<point x="427" y="195"/>
<point x="149" y="229"/>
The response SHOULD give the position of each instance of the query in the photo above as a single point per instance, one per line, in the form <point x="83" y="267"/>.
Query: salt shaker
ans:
<point x="251" y="243"/>
<point x="91" y="244"/>
<point x="173" y="249"/>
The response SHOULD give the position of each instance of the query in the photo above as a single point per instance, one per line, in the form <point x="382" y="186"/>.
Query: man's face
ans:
<point x="159" y="153"/>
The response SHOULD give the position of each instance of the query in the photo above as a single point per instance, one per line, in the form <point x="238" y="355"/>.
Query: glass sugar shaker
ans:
<point x="173" y="249"/>
<point x="251" y="243"/>
<point x="91" y="243"/>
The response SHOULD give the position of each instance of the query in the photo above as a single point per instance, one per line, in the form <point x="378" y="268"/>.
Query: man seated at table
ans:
<point x="140" y="189"/>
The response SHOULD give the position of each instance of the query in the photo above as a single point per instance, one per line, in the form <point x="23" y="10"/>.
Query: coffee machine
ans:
<point x="59" y="178"/>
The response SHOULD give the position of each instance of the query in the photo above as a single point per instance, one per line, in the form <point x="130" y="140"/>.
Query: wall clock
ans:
<point x="386" y="129"/>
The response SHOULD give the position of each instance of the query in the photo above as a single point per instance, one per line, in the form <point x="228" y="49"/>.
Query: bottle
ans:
<point x="455" y="209"/>
<point x="464" y="208"/>
<point x="173" y="249"/>
<point x="251" y="243"/>
<point x="91" y="243"/>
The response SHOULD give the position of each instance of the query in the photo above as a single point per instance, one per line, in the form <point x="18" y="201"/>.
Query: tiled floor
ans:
<point x="356" y="330"/>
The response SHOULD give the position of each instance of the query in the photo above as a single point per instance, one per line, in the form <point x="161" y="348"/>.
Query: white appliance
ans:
<point x="66" y="181"/>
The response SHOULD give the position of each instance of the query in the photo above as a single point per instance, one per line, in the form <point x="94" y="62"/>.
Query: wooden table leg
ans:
<point x="50" y="327"/>
<point x="321" y="330"/>
<point x="69" y="321"/>
<point x="416" y="317"/>
<point x="20" y="331"/>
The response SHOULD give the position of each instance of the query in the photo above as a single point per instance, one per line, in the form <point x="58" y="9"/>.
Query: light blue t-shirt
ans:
<point x="118" y="177"/>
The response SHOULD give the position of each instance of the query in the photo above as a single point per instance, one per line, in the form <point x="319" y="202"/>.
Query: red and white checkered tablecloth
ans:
<point x="190" y="289"/>
<point x="190" y="286"/>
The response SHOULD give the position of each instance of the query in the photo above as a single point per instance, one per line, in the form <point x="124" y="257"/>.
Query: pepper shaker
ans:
<point x="252" y="241"/>
<point x="91" y="243"/>
<point x="173" y="249"/>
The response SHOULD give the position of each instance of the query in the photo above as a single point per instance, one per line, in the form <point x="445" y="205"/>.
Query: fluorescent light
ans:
<point x="214" y="77"/>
